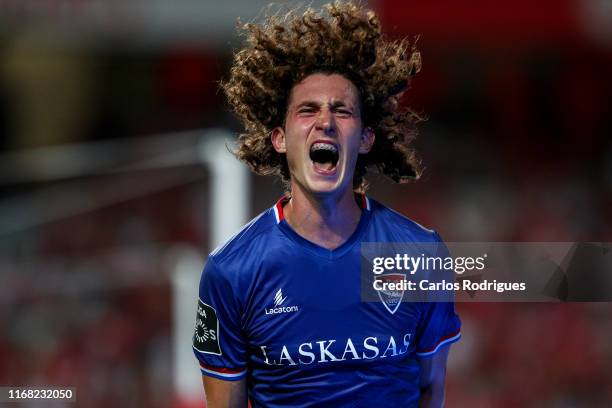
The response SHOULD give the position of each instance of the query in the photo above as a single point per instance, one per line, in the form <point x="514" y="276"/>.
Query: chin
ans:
<point x="322" y="183"/>
<point x="320" y="186"/>
<point x="323" y="190"/>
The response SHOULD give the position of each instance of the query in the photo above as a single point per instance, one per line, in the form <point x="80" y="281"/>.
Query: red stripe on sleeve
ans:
<point x="439" y="341"/>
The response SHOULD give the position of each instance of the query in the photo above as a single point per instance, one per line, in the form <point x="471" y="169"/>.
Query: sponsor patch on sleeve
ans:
<point x="206" y="333"/>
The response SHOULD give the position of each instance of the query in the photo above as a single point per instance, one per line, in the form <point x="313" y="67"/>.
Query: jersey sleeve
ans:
<point x="218" y="341"/>
<point x="439" y="324"/>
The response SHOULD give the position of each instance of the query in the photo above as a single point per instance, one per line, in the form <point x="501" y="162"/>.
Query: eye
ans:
<point x="344" y="113"/>
<point x="306" y="110"/>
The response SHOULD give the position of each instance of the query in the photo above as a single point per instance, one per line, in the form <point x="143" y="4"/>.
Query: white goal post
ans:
<point x="229" y="198"/>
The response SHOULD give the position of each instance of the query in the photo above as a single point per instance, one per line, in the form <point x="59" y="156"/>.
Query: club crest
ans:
<point x="391" y="299"/>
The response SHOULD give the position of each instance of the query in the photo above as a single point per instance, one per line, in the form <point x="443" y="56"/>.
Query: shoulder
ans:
<point x="247" y="244"/>
<point x="399" y="226"/>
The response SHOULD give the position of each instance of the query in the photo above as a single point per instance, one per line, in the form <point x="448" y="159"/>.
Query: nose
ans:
<point x="326" y="122"/>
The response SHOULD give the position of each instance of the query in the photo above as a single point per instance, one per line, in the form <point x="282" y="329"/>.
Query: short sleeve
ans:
<point x="439" y="324"/>
<point x="218" y="340"/>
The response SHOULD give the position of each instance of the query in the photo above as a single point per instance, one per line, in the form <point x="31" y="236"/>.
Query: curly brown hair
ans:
<point x="345" y="39"/>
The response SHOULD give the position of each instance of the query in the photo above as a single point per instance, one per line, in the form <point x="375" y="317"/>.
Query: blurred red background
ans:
<point x="516" y="147"/>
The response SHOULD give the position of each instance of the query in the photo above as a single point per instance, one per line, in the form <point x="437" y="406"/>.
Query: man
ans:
<point x="280" y="319"/>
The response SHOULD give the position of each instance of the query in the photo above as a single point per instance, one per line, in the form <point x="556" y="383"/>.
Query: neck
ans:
<point x="327" y="221"/>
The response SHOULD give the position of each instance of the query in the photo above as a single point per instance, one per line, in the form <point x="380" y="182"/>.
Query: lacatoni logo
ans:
<point x="278" y="298"/>
<point x="329" y="351"/>
<point x="278" y="307"/>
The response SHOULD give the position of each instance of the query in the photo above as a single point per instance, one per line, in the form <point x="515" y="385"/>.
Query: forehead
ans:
<point x="324" y="88"/>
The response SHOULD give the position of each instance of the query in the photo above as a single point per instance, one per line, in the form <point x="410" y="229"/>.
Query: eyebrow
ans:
<point x="314" y="104"/>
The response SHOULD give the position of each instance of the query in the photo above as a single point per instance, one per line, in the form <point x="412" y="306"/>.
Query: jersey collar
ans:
<point x="362" y="201"/>
<point x="364" y="204"/>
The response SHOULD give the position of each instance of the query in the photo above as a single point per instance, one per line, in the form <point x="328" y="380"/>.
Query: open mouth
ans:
<point x="324" y="156"/>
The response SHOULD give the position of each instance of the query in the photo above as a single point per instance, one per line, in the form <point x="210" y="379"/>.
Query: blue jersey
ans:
<point x="287" y="315"/>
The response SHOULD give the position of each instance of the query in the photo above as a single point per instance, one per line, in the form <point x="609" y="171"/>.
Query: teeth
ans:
<point x="324" y="146"/>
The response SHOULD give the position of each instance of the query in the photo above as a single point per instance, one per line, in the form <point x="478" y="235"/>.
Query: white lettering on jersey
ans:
<point x="325" y="352"/>
<point x="277" y="307"/>
<point x="391" y="346"/>
<point x="406" y="343"/>
<point x="285" y="356"/>
<point x="351" y="347"/>
<point x="263" y="351"/>
<point x="306" y="353"/>
<point x="370" y="347"/>
<point x="329" y="350"/>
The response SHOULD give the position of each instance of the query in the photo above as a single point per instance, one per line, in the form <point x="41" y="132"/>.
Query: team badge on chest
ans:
<point x="391" y="299"/>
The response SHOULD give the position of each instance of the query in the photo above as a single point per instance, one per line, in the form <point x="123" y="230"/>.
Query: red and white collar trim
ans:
<point x="362" y="200"/>
<point x="365" y="201"/>
<point x="278" y="208"/>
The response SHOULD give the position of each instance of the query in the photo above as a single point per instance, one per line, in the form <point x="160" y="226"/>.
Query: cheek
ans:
<point x="353" y="141"/>
<point x="296" y="134"/>
<point x="292" y="156"/>
<point x="294" y="147"/>
<point x="302" y="126"/>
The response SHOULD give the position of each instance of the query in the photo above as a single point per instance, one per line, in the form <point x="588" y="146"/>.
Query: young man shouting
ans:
<point x="280" y="319"/>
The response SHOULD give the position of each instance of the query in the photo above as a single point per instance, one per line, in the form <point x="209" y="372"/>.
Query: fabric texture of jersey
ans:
<point x="287" y="315"/>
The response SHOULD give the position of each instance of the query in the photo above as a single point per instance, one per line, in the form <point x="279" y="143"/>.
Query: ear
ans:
<point x="367" y="140"/>
<point x="277" y="137"/>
